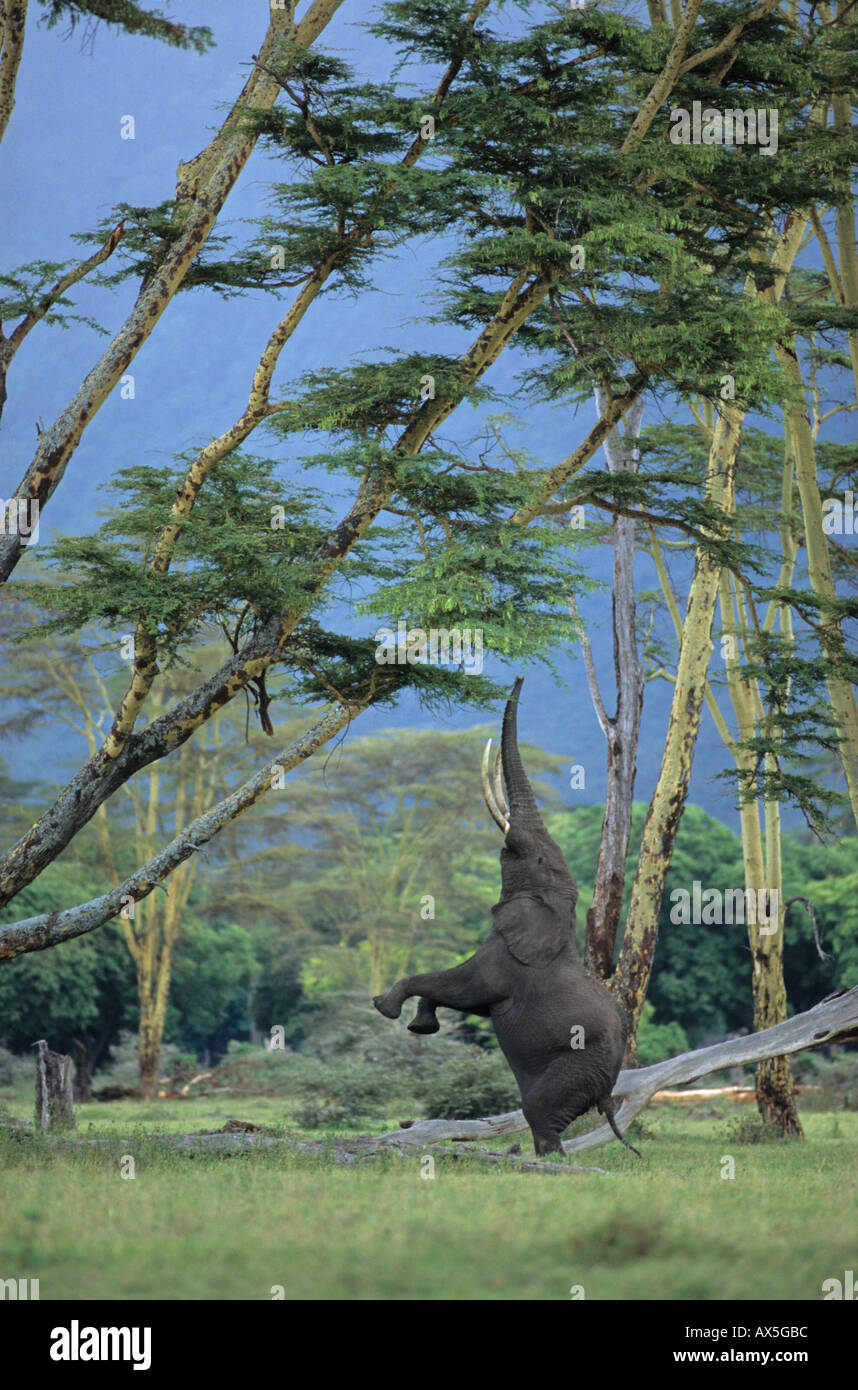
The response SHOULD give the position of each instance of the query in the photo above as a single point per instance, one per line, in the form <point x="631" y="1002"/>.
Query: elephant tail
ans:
<point x="608" y="1108"/>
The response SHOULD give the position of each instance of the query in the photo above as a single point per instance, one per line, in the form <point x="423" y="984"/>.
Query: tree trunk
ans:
<point x="631" y="977"/>
<point x="763" y="871"/>
<point x="622" y="730"/>
<point x="54" y="1102"/>
<point x="841" y="692"/>
<point x="149" y="1041"/>
<point x="774" y="1085"/>
<point x="776" y="1096"/>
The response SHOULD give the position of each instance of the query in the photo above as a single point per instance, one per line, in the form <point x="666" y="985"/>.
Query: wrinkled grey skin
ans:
<point x="529" y="979"/>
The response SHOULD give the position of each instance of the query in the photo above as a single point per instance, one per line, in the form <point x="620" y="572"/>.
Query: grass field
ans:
<point x="194" y="1225"/>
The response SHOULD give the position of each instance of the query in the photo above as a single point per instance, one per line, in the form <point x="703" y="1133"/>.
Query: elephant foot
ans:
<point x="547" y="1144"/>
<point x="424" y="1020"/>
<point x="429" y="1025"/>
<point x="382" y="1003"/>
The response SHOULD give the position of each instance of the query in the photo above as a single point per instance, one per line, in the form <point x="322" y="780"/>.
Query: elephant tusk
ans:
<point x="494" y="810"/>
<point x="500" y="799"/>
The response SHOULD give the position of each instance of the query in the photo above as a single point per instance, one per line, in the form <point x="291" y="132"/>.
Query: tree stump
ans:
<point x="54" y="1102"/>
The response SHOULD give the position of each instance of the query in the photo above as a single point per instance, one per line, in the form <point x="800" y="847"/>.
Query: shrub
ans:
<point x="658" y="1041"/>
<point x="342" y="1091"/>
<point x="470" y="1086"/>
<point x="752" y="1129"/>
<point x="837" y="1076"/>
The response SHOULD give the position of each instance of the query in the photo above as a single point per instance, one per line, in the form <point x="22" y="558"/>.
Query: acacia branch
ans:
<point x="202" y="188"/>
<point x="730" y="38"/>
<point x="52" y="928"/>
<point x="665" y="80"/>
<point x="589" y="668"/>
<point x="9" y="346"/>
<point x="560" y="474"/>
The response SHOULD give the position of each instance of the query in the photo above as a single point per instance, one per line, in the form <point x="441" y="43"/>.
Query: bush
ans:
<point x="837" y="1076"/>
<point x="342" y="1091"/>
<point x="658" y="1041"/>
<point x="752" y="1129"/>
<point x="470" y="1086"/>
<point x="177" y="1068"/>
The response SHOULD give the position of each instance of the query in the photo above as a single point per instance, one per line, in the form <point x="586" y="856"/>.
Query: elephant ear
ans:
<point x="535" y="927"/>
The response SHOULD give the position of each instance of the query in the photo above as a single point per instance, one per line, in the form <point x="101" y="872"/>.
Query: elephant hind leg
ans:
<point x="550" y="1104"/>
<point x="546" y="1143"/>
<point x="424" y="1020"/>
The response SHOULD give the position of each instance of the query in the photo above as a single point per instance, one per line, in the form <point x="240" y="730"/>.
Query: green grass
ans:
<point x="193" y="1225"/>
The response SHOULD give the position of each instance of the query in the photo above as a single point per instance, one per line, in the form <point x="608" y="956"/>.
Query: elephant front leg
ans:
<point x="464" y="988"/>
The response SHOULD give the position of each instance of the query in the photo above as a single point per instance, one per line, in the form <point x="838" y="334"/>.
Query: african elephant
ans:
<point x="559" y="1028"/>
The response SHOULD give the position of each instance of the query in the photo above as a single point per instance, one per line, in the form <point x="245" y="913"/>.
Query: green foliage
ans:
<point x="148" y="235"/>
<point x="126" y="15"/>
<point x="213" y="967"/>
<point x="338" y="1092"/>
<point x="86" y="988"/>
<point x="230" y="559"/>
<point x="658" y="1041"/>
<point x="471" y="1086"/>
<point x="25" y="290"/>
<point x="9" y="1067"/>
<point x="753" y="1129"/>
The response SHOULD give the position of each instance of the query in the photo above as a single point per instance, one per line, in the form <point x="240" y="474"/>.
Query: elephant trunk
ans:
<point x="523" y="811"/>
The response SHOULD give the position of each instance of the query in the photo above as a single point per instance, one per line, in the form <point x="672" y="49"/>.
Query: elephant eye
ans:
<point x="539" y="859"/>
